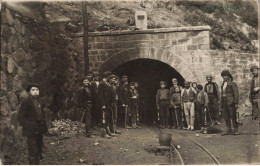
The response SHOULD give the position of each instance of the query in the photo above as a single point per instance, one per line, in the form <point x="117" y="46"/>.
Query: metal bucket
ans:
<point x="165" y="139"/>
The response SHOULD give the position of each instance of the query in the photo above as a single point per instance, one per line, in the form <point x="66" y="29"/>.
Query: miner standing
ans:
<point x="105" y="100"/>
<point x="188" y="97"/>
<point x="163" y="103"/>
<point x="85" y="101"/>
<point x="31" y="118"/>
<point x="255" y="93"/>
<point x="175" y="100"/>
<point x="211" y="88"/>
<point x="229" y="102"/>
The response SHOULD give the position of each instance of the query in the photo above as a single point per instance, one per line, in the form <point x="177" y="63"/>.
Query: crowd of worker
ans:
<point x="103" y="99"/>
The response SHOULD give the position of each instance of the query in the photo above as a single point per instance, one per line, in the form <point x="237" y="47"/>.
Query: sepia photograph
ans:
<point x="129" y="82"/>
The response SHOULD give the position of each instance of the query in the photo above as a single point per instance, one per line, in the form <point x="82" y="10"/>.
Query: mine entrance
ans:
<point x="148" y="73"/>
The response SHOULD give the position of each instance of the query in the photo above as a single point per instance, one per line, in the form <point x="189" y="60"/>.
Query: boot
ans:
<point x="109" y="133"/>
<point x="228" y="132"/>
<point x="236" y="131"/>
<point x="201" y="130"/>
<point x="105" y="135"/>
<point x="205" y="130"/>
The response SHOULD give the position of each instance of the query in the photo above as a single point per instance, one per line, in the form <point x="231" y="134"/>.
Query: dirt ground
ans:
<point x="139" y="146"/>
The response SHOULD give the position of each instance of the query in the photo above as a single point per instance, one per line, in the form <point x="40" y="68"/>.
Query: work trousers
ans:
<point x="175" y="116"/>
<point x="189" y="113"/>
<point x="200" y="115"/>
<point x="213" y="108"/>
<point x="113" y="115"/>
<point x="88" y="118"/>
<point x="133" y="112"/>
<point x="256" y="109"/>
<point x="229" y="113"/>
<point x="35" y="144"/>
<point x="164" y="113"/>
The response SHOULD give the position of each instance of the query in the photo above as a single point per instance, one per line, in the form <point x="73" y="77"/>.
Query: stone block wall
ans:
<point x="34" y="51"/>
<point x="104" y="45"/>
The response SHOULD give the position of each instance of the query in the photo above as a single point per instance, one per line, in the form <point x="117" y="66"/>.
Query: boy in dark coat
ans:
<point x="229" y="102"/>
<point x="96" y="110"/>
<point x="31" y="118"/>
<point x="85" y="101"/>
<point x="133" y="104"/>
<point x="163" y="103"/>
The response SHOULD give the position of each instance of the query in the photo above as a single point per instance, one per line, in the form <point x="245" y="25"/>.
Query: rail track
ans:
<point x="182" y="162"/>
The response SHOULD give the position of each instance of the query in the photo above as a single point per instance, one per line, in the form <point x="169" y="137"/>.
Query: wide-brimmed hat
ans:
<point x="226" y="73"/>
<point x="253" y="68"/>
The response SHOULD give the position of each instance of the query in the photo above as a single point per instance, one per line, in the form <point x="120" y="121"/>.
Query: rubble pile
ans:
<point x="63" y="126"/>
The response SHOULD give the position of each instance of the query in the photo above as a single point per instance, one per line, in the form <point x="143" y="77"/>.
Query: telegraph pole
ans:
<point x="85" y="35"/>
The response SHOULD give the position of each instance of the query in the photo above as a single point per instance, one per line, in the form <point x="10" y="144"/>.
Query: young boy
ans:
<point x="85" y="103"/>
<point x="176" y="111"/>
<point x="31" y="118"/>
<point x="201" y="103"/>
<point x="163" y="103"/>
<point x="133" y="104"/>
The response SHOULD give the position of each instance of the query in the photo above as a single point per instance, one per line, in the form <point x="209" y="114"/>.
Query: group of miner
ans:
<point x="103" y="101"/>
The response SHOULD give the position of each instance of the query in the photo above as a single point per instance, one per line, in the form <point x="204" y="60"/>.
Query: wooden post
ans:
<point x="85" y="35"/>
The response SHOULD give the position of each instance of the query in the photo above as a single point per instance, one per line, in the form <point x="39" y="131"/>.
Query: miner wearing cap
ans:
<point x="188" y="97"/>
<point x="133" y="104"/>
<point x="85" y="103"/>
<point x="96" y="110"/>
<point x="255" y="93"/>
<point x="31" y="118"/>
<point x="113" y="82"/>
<point x="212" y="90"/>
<point x="175" y="100"/>
<point x="201" y="103"/>
<point x="124" y="97"/>
<point x="163" y="103"/>
<point x="105" y="99"/>
<point x="229" y="102"/>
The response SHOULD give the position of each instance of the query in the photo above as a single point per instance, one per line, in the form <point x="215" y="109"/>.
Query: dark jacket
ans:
<point x="85" y="97"/>
<point x="133" y="94"/>
<point x="254" y="84"/>
<point x="215" y="90"/>
<point x="105" y="96"/>
<point x="95" y="88"/>
<point x="124" y="95"/>
<point x="31" y="122"/>
<point x="162" y="94"/>
<point x="175" y="95"/>
<point x="232" y="94"/>
<point x="114" y="93"/>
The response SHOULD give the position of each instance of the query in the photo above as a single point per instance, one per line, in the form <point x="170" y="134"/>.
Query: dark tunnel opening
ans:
<point x="148" y="73"/>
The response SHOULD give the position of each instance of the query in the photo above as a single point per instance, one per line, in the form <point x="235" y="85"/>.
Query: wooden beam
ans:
<point x="85" y="35"/>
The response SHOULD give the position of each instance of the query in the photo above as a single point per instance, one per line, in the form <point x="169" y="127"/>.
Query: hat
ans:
<point x="200" y="87"/>
<point x="96" y="73"/>
<point x="186" y="83"/>
<point x="209" y="76"/>
<point x="226" y="73"/>
<point x="132" y="83"/>
<point x="163" y="82"/>
<point x="174" y="80"/>
<point x="253" y="68"/>
<point x="124" y="78"/>
<point x="106" y="74"/>
<point x="28" y="88"/>
<point x="112" y="76"/>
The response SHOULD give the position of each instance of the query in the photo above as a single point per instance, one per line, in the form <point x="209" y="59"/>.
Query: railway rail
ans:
<point x="195" y="142"/>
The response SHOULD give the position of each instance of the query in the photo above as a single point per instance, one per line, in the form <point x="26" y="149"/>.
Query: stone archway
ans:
<point x="167" y="56"/>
